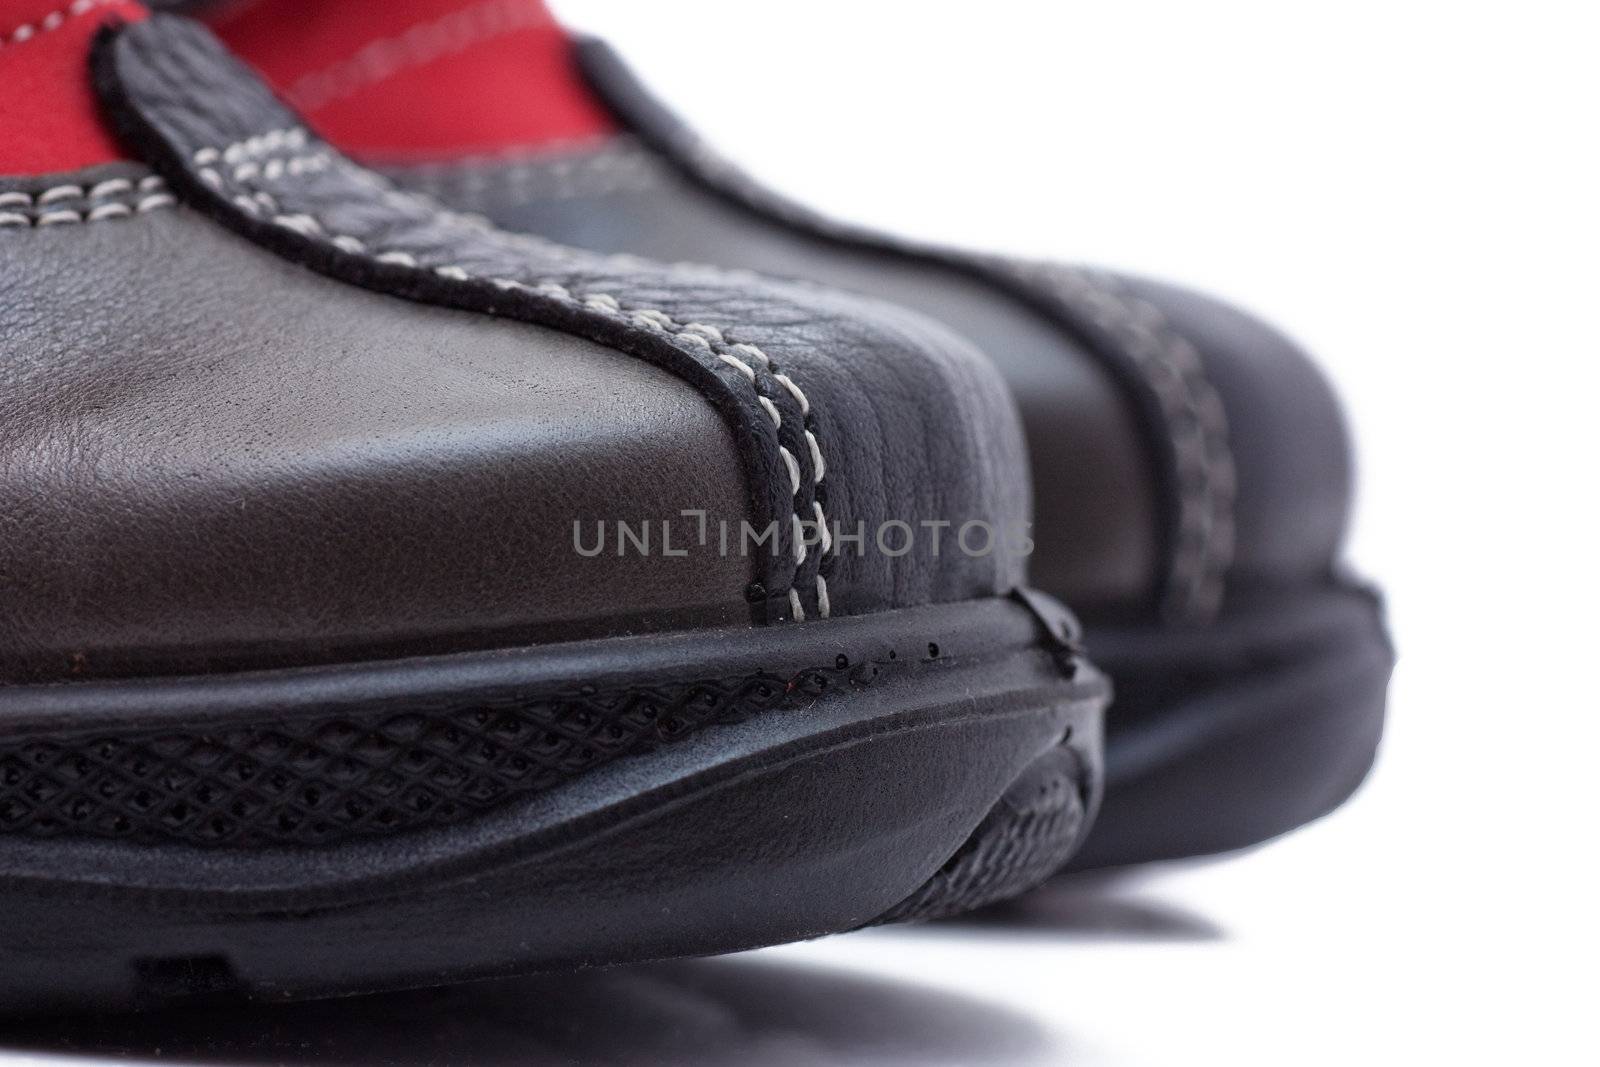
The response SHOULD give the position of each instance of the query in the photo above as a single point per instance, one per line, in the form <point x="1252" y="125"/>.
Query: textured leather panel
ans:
<point x="1185" y="414"/>
<point x="211" y="457"/>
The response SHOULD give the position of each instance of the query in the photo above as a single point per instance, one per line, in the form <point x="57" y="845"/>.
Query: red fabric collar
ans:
<point x="414" y="79"/>
<point x="49" y="119"/>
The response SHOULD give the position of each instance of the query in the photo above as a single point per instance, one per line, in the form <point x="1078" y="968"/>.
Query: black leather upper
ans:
<point x="212" y="456"/>
<point x="1183" y="454"/>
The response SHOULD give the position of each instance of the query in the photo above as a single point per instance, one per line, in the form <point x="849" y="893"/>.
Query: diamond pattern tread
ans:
<point x="318" y="780"/>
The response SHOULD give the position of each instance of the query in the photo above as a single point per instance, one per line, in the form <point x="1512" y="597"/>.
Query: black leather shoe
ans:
<point x="1191" y="465"/>
<point x="377" y="604"/>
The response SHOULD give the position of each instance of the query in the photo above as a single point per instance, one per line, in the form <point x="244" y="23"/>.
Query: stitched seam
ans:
<point x="383" y="58"/>
<point x="616" y="168"/>
<point x="53" y="21"/>
<point x="1197" y="428"/>
<point x="253" y="156"/>
<point x="113" y="198"/>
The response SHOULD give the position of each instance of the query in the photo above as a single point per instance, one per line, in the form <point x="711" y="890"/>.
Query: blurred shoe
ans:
<point x="1191" y="465"/>
<point x="335" y="653"/>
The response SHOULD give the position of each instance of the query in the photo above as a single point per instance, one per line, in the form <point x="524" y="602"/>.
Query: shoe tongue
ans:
<point x="409" y="80"/>
<point x="49" y="120"/>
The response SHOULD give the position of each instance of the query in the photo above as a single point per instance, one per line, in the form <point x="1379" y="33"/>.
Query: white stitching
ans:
<point x="621" y="165"/>
<point x="788" y="383"/>
<point x="822" y="528"/>
<point x="111" y="186"/>
<point x="54" y="218"/>
<point x="817" y="461"/>
<point x="109" y="211"/>
<point x="51" y="207"/>
<point x="771" y="409"/>
<point x="737" y="364"/>
<point x="53" y="21"/>
<point x="258" y="157"/>
<point x="422" y="43"/>
<point x="794" y="475"/>
<point x="60" y="192"/>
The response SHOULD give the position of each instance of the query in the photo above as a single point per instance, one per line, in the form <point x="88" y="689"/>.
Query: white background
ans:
<point x="1411" y="189"/>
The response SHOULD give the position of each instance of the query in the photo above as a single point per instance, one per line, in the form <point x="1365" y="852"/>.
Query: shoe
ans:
<point x="1192" y="467"/>
<point x="357" y="633"/>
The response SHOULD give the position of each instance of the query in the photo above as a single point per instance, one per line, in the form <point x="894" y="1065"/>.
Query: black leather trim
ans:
<point x="1179" y="414"/>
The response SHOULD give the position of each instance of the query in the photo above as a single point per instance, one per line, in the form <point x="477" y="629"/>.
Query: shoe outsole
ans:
<point x="917" y="762"/>
<point x="1227" y="736"/>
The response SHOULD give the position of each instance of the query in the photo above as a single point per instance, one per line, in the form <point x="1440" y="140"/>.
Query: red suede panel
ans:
<point x="420" y="78"/>
<point x="49" y="119"/>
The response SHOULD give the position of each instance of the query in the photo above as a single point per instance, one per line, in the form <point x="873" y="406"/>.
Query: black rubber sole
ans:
<point x="1227" y="736"/>
<point x="787" y="782"/>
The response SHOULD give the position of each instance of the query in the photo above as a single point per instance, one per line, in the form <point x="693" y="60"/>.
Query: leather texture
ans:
<point x="212" y="457"/>
<point x="1184" y="454"/>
